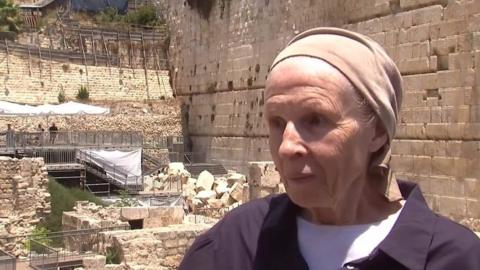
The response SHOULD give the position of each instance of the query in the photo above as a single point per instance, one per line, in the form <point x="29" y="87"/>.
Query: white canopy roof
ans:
<point x="69" y="108"/>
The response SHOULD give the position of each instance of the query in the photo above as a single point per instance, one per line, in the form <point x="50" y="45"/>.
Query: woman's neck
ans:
<point x="360" y="205"/>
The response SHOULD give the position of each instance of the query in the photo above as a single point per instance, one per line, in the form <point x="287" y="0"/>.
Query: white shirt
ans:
<point x="329" y="247"/>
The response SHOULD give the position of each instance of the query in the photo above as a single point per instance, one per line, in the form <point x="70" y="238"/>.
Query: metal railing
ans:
<point x="7" y="261"/>
<point x="65" y="248"/>
<point x="42" y="256"/>
<point x="53" y="156"/>
<point x="162" y="142"/>
<point x="73" y="139"/>
<point x="91" y="139"/>
<point x="109" y="171"/>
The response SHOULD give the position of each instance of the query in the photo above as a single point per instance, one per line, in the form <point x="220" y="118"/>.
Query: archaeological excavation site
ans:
<point x="130" y="127"/>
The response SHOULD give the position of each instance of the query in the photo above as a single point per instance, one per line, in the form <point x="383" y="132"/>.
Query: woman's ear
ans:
<point x="379" y="139"/>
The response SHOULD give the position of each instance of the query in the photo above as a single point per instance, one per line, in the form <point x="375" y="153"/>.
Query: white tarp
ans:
<point x="14" y="108"/>
<point x="125" y="167"/>
<point x="69" y="108"/>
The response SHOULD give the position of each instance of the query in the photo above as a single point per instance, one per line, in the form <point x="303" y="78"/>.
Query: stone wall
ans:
<point x="219" y="67"/>
<point x="24" y="200"/>
<point x="36" y="81"/>
<point x="90" y="216"/>
<point x="158" y="248"/>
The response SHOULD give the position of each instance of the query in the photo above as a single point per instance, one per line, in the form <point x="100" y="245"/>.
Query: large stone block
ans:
<point x="205" y="181"/>
<point x="94" y="262"/>
<point x="452" y="207"/>
<point x="163" y="216"/>
<point x="133" y="213"/>
<point x="263" y="174"/>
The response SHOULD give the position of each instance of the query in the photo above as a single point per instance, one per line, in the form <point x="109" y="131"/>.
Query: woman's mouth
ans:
<point x="299" y="178"/>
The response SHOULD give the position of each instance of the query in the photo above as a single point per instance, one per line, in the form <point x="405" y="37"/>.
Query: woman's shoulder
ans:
<point x="454" y="245"/>
<point x="233" y="238"/>
<point x="247" y="219"/>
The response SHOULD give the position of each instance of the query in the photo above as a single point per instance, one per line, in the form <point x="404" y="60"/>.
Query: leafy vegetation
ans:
<point x="40" y="234"/>
<point x="61" y="96"/>
<point x="83" y="93"/>
<point x="126" y="200"/>
<point x="10" y="17"/>
<point x="113" y="256"/>
<point x="144" y="15"/>
<point x="63" y="199"/>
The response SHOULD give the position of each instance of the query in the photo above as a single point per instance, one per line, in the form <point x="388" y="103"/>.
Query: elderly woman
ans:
<point x="332" y="102"/>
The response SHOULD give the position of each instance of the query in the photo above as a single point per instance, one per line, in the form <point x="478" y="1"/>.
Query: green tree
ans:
<point x="10" y="17"/>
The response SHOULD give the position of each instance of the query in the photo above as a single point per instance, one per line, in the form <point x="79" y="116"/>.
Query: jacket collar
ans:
<point x="409" y="240"/>
<point x="407" y="243"/>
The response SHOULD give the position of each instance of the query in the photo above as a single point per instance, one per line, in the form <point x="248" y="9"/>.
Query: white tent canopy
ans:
<point x="16" y="109"/>
<point x="69" y="108"/>
<point x="125" y="167"/>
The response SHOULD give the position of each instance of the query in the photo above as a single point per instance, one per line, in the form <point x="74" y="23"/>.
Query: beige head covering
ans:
<point x="371" y="72"/>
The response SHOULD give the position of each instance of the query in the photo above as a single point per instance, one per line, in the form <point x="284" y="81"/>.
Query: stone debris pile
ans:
<point x="206" y="192"/>
<point x="221" y="193"/>
<point x="169" y="179"/>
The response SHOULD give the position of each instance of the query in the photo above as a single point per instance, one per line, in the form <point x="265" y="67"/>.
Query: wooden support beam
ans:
<point x="29" y="61"/>
<point x="8" y="55"/>
<point x="130" y="51"/>
<point x="106" y="51"/>
<point x="40" y="57"/>
<point x="94" y="49"/>
<point x="119" y="54"/>
<point x="50" y="54"/>
<point x="145" y="67"/>
<point x="157" y="67"/>
<point x="84" y="59"/>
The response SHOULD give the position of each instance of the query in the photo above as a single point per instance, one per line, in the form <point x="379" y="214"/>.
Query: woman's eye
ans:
<point x="276" y="123"/>
<point x="315" y="120"/>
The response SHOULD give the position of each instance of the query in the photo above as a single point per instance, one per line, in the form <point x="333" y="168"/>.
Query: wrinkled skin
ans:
<point x="321" y="143"/>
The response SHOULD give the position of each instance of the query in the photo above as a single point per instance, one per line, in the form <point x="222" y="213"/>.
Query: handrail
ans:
<point x="75" y="138"/>
<point x="7" y="261"/>
<point x="110" y="170"/>
<point x="42" y="254"/>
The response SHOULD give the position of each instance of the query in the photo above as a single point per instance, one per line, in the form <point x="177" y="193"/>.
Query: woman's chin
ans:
<point x="309" y="197"/>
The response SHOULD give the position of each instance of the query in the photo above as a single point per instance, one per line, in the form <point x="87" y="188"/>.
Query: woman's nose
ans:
<point x="292" y="143"/>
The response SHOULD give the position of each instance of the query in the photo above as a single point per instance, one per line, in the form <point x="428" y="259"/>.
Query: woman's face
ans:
<point x="319" y="141"/>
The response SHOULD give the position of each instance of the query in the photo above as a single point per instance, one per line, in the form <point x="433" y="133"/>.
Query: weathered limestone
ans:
<point x="103" y="83"/>
<point x="204" y="181"/>
<point x="156" y="248"/>
<point x="163" y="216"/>
<point x="24" y="200"/>
<point x="212" y="196"/>
<point x="263" y="179"/>
<point x="94" y="262"/>
<point x="91" y="216"/>
<point x="171" y="179"/>
<point x="435" y="44"/>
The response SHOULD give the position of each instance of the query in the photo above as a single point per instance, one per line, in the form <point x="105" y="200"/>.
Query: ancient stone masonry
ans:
<point x="24" y="200"/>
<point x="90" y="216"/>
<point x="219" y="67"/>
<point x="162" y="244"/>
<point x="38" y="81"/>
<point x="263" y="180"/>
<point x="153" y="249"/>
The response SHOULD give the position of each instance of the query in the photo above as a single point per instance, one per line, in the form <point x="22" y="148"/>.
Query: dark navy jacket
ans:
<point x="262" y="235"/>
